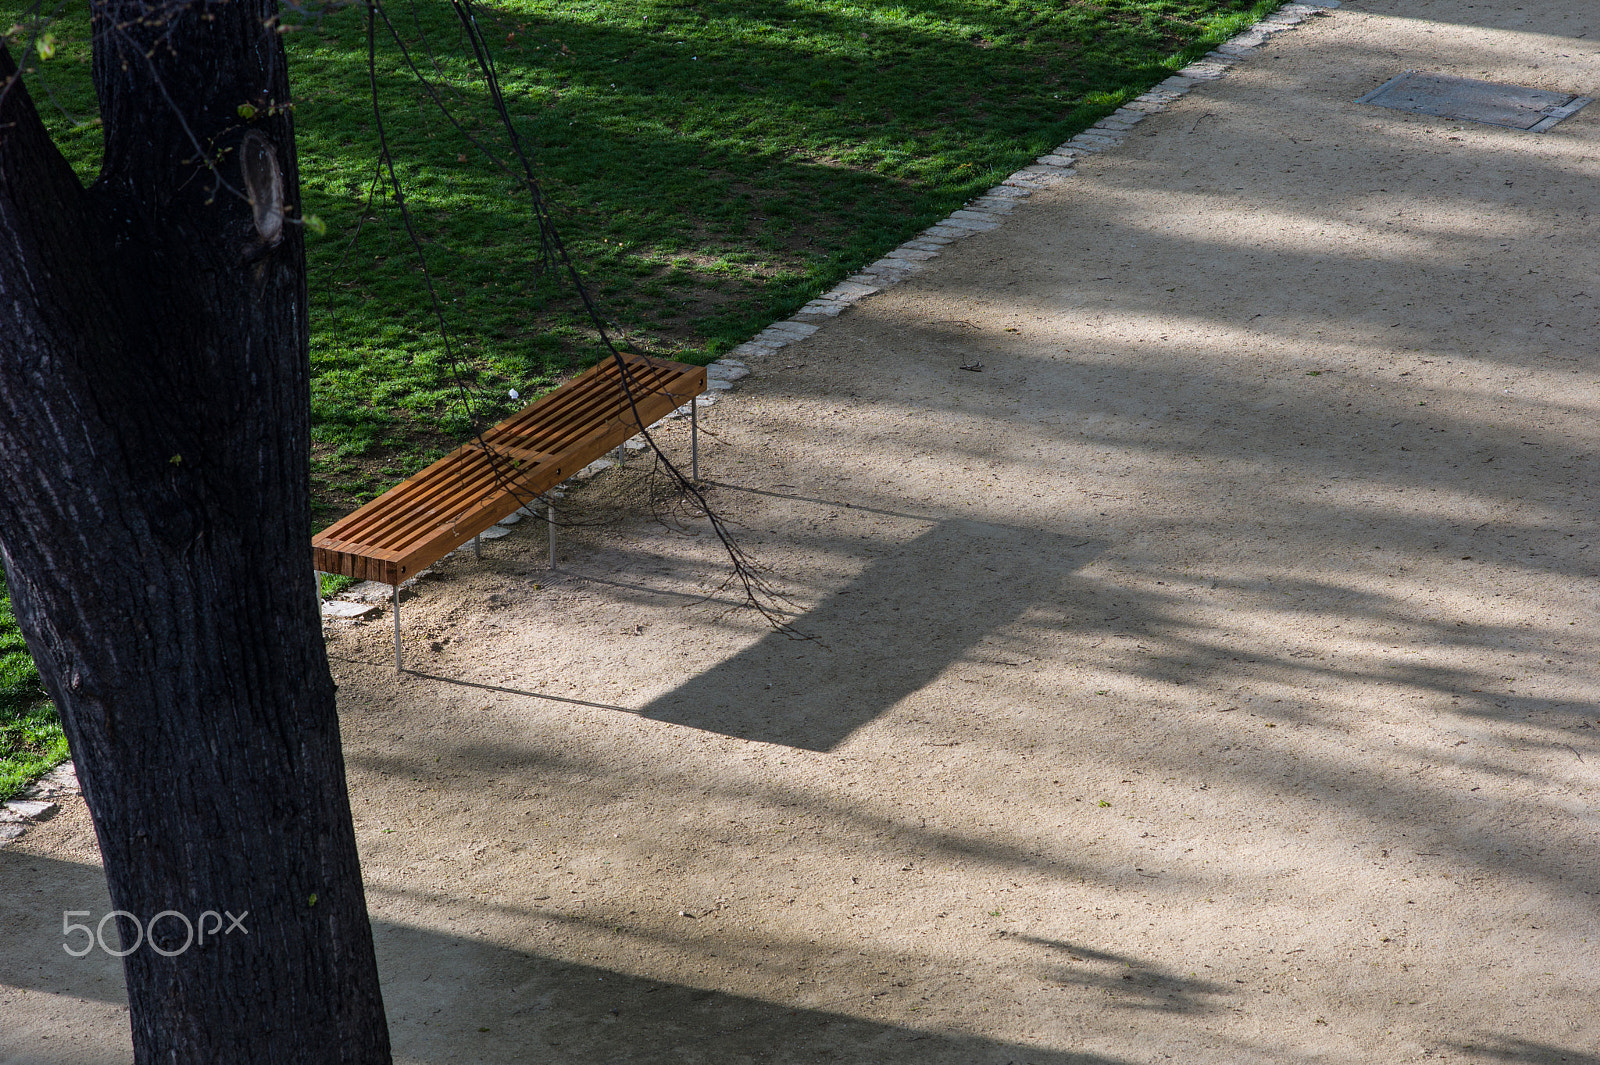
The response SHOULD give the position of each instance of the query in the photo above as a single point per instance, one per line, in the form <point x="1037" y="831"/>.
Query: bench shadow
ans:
<point x="860" y="659"/>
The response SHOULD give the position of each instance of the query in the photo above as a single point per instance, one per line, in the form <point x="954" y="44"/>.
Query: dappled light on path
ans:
<point x="1211" y="677"/>
<point x="1241" y="702"/>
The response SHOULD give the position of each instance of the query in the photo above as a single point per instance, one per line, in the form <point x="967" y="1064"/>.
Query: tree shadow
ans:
<point x="1131" y="982"/>
<point x="459" y="769"/>
<point x="1523" y="1051"/>
<point x="454" y="998"/>
<point x="1543" y="19"/>
<point x="510" y="1006"/>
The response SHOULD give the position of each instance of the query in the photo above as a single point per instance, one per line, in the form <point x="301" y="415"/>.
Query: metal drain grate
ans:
<point x="1512" y="106"/>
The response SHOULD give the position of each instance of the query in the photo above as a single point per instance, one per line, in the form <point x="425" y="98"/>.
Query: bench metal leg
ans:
<point x="550" y="523"/>
<point x="399" y="666"/>
<point x="477" y="547"/>
<point x="694" y="438"/>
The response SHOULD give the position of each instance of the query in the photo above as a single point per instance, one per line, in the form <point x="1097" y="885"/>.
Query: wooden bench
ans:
<point x="425" y="517"/>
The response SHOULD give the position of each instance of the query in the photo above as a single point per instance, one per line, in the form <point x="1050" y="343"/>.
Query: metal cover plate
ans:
<point x="1512" y="106"/>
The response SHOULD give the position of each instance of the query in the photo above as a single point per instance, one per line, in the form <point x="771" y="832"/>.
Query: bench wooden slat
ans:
<point x="428" y="501"/>
<point x="433" y="512"/>
<point x="557" y="424"/>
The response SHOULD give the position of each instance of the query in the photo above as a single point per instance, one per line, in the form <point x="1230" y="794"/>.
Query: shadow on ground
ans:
<point x="516" y="1007"/>
<point x="447" y="993"/>
<point x="862" y="656"/>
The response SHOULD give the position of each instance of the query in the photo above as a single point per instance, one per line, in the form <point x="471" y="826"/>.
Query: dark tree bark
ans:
<point x="154" y="521"/>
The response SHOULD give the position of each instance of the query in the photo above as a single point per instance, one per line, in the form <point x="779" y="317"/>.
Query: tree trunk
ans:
<point x="154" y="526"/>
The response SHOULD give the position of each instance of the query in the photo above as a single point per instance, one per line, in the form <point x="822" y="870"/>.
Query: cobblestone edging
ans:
<point x="984" y="213"/>
<point x="989" y="211"/>
<point x="980" y="215"/>
<point x="37" y="803"/>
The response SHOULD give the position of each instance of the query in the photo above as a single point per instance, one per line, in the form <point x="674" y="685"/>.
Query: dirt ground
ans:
<point x="1214" y="677"/>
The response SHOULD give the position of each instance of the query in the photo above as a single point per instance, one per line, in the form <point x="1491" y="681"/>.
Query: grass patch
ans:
<point x="713" y="165"/>
<point x="31" y="741"/>
<point x="331" y="584"/>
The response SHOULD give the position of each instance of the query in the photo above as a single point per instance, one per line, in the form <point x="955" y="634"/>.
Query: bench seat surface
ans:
<point x="428" y="515"/>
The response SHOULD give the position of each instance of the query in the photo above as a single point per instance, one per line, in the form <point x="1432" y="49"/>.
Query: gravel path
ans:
<point x="1211" y="676"/>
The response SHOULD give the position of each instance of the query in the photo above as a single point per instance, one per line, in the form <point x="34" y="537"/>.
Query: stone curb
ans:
<point x="989" y="210"/>
<point x="37" y="803"/>
<point x="983" y="213"/>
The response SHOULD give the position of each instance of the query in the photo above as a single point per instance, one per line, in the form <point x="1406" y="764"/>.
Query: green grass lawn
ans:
<point x="712" y="165"/>
<point x="31" y="742"/>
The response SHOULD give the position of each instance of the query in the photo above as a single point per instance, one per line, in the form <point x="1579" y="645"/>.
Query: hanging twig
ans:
<point x="758" y="593"/>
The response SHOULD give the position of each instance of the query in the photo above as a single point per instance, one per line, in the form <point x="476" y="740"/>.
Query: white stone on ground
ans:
<point x="597" y="466"/>
<point x="345" y="610"/>
<point x="62" y="780"/>
<point x="31" y="809"/>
